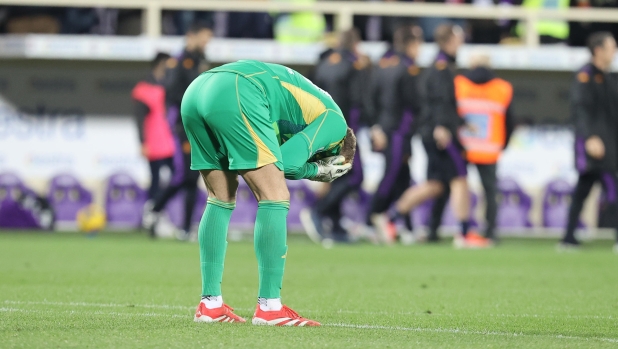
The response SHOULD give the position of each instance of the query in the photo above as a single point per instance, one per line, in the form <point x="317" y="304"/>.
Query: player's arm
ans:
<point x="582" y="105"/>
<point x="323" y="133"/>
<point x="509" y="124"/>
<point x="582" y="109"/>
<point x="140" y="112"/>
<point x="439" y="90"/>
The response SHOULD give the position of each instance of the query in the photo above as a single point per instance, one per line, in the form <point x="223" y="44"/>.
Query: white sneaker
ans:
<point x="182" y="235"/>
<point x="407" y="237"/>
<point x="387" y="232"/>
<point x="149" y="217"/>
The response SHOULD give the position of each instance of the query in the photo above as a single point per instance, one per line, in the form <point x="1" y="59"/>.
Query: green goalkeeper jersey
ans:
<point x="259" y="100"/>
<point x="294" y="101"/>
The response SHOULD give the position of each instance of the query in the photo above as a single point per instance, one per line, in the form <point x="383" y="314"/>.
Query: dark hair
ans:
<point x="597" y="40"/>
<point x="406" y="35"/>
<point x="198" y="26"/>
<point x="159" y="58"/>
<point x="349" y="38"/>
<point x="348" y="148"/>
<point x="444" y="33"/>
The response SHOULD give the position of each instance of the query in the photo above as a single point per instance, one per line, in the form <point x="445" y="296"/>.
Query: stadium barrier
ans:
<point x="344" y="11"/>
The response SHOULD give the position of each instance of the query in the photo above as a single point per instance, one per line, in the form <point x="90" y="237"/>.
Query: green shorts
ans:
<point x="228" y="124"/>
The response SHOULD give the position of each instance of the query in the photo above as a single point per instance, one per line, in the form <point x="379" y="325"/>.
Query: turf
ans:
<point x="124" y="291"/>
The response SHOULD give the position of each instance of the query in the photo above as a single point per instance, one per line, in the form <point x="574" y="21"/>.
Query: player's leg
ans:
<point x="191" y="190"/>
<point x="460" y="202"/>
<point x="401" y="184"/>
<point x="269" y="187"/>
<point x="437" y="211"/>
<point x="212" y="233"/>
<point x="489" y="182"/>
<point x="582" y="189"/>
<point x="395" y="157"/>
<point x="208" y="157"/>
<point x="326" y="206"/>
<point x="155" y="168"/>
<point x="251" y="146"/>
<point x="609" y="181"/>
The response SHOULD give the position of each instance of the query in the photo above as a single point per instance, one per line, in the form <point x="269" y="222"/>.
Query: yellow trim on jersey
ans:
<point x="310" y="105"/>
<point x="265" y="156"/>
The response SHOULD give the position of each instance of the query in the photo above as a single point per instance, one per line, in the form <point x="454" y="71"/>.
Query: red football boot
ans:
<point x="222" y="314"/>
<point x="283" y="317"/>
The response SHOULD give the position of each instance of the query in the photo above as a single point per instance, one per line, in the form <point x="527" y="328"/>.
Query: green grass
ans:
<point x="124" y="291"/>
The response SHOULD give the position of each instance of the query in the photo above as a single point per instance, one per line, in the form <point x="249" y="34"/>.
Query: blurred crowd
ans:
<point x="302" y="26"/>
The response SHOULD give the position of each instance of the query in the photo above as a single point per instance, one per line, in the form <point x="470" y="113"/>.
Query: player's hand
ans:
<point x="595" y="147"/>
<point x="442" y="136"/>
<point x="144" y="151"/>
<point x="331" y="168"/>
<point x="378" y="138"/>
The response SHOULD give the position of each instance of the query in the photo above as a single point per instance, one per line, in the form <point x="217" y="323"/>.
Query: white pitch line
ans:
<point x="342" y="325"/>
<point x="467" y="332"/>
<point x="338" y="311"/>
<point x="343" y="311"/>
<point x="18" y="310"/>
<point x="102" y="305"/>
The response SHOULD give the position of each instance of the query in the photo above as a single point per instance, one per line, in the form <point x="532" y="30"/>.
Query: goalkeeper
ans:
<point x="265" y="122"/>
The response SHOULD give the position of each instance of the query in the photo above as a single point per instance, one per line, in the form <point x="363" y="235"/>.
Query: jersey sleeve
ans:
<point x="582" y="104"/>
<point x="323" y="134"/>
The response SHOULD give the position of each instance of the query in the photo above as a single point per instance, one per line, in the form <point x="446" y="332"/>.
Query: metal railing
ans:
<point x="343" y="10"/>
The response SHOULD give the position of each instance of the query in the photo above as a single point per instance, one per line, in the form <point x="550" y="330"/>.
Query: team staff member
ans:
<point x="344" y="73"/>
<point x="484" y="101"/>
<point x="594" y="110"/>
<point x="155" y="134"/>
<point x="265" y="122"/>
<point x="395" y="103"/>
<point x="446" y="156"/>
<point x="182" y="71"/>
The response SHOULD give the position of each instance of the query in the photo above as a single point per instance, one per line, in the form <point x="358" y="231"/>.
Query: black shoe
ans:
<point x="433" y="237"/>
<point x="491" y="236"/>
<point x="569" y="244"/>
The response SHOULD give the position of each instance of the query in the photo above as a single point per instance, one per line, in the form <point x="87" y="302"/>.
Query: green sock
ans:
<point x="212" y="236"/>
<point x="270" y="246"/>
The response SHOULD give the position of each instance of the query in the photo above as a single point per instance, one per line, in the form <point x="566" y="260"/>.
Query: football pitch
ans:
<point x="125" y="291"/>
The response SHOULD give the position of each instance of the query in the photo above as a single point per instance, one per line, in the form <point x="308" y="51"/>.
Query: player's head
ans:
<point x="349" y="39"/>
<point x="449" y="38"/>
<point x="408" y="39"/>
<point x="348" y="148"/>
<point x="198" y="36"/>
<point x="158" y="65"/>
<point x="602" y="46"/>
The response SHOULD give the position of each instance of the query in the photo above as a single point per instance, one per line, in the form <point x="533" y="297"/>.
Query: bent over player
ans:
<point x="265" y="122"/>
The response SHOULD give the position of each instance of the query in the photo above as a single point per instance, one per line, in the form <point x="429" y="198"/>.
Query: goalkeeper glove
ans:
<point x="331" y="168"/>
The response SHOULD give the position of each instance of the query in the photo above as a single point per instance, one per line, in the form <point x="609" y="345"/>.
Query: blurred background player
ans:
<point x="484" y="101"/>
<point x="395" y="101"/>
<point x="343" y="72"/>
<point x="594" y="111"/>
<point x="153" y="128"/>
<point x="182" y="71"/>
<point x="445" y="154"/>
<point x="265" y="122"/>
